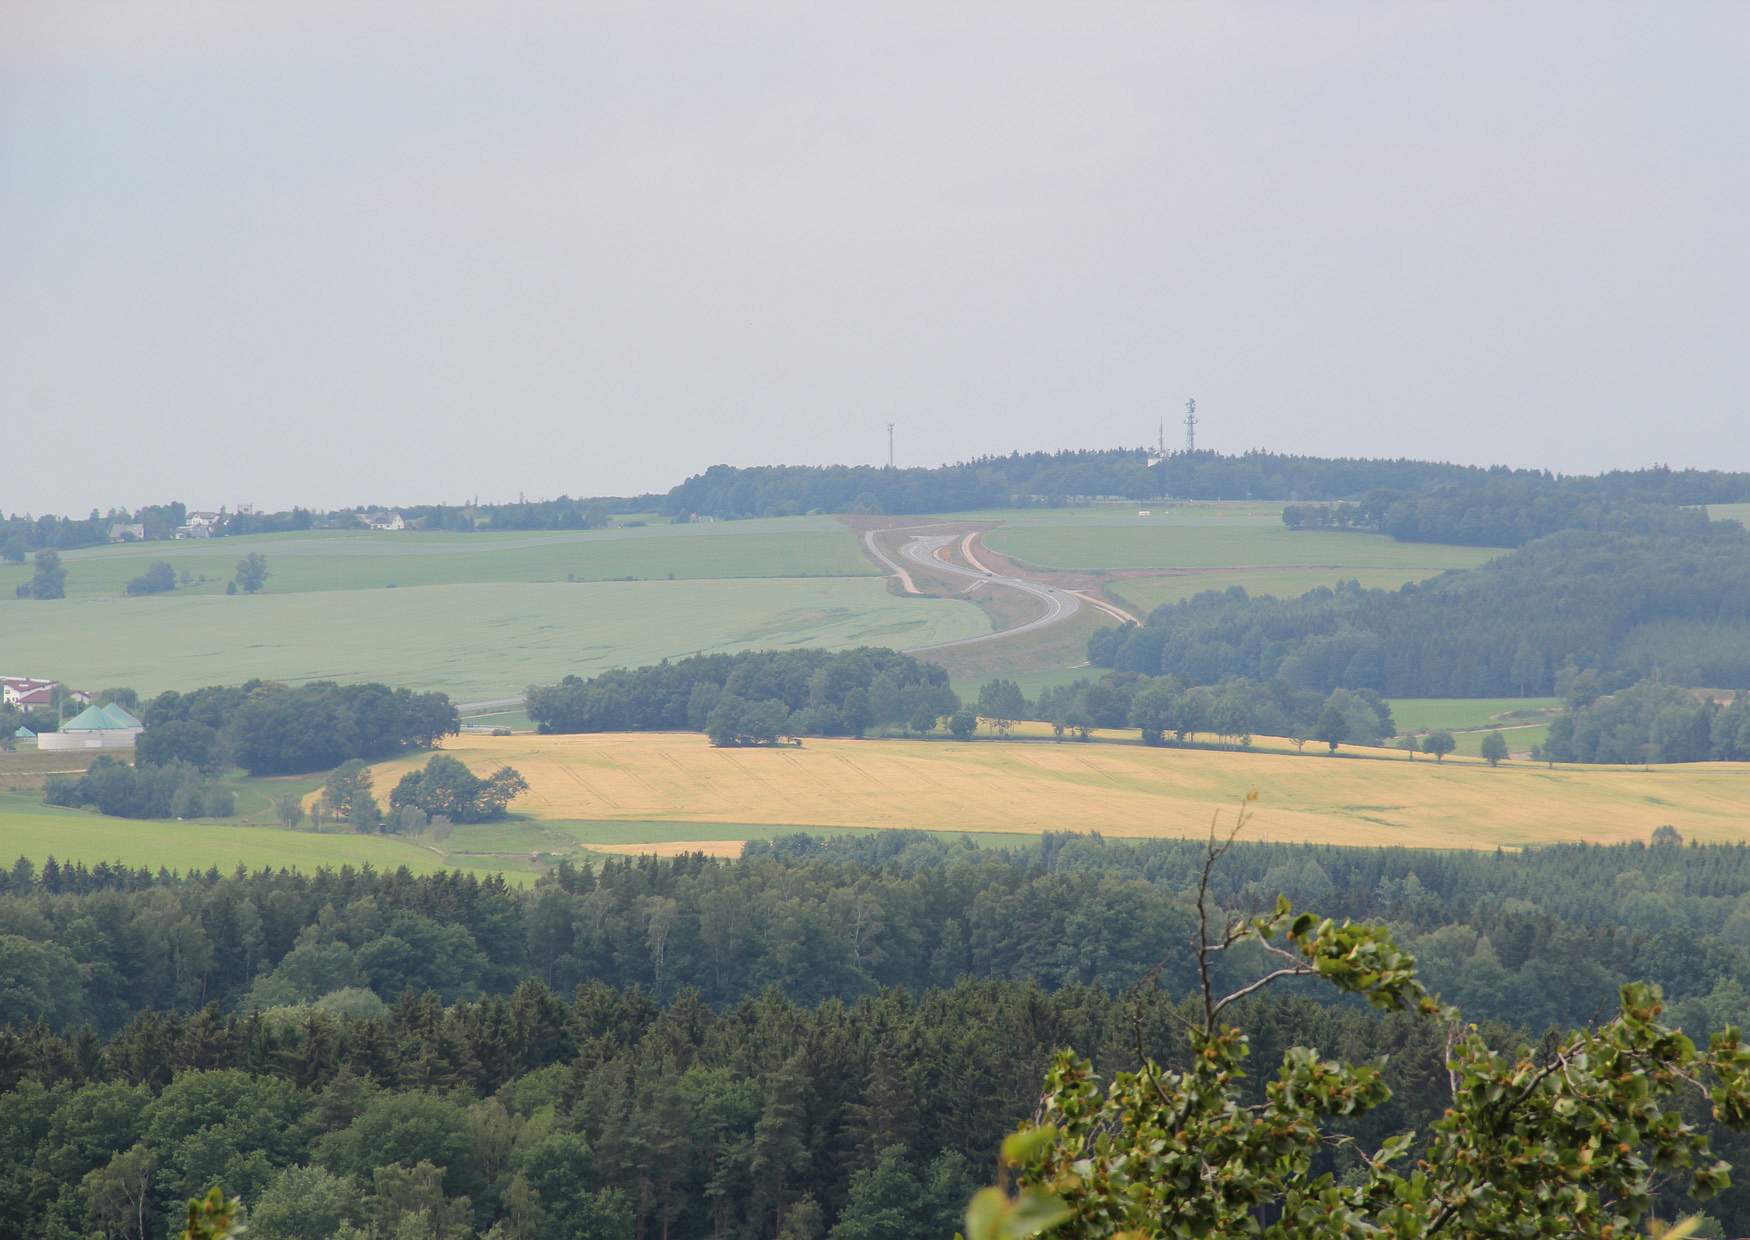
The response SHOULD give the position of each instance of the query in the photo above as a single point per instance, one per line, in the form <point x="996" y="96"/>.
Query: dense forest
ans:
<point x="714" y="1045"/>
<point x="1621" y="605"/>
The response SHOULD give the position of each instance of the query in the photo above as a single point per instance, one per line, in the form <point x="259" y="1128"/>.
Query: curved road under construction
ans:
<point x="925" y="551"/>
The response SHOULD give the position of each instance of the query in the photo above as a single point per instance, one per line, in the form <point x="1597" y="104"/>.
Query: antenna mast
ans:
<point x="1190" y="426"/>
<point x="890" y="445"/>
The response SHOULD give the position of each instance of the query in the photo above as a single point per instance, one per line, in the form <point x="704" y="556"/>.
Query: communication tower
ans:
<point x="890" y="445"/>
<point x="1190" y="426"/>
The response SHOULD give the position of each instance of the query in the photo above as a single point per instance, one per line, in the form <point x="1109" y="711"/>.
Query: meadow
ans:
<point x="323" y="560"/>
<point x="1463" y="714"/>
<point x="1216" y="536"/>
<point x="1180" y="550"/>
<point x="1144" y="594"/>
<point x="1119" y="790"/>
<point x="31" y="829"/>
<point x="474" y="641"/>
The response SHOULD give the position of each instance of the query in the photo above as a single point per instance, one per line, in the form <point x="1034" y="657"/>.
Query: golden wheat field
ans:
<point x="1120" y="790"/>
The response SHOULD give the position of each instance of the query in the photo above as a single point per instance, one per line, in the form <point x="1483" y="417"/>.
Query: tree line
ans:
<point x="1421" y="501"/>
<point x="1233" y="709"/>
<point x="173" y="789"/>
<point x="1650" y="721"/>
<point x="1497" y="513"/>
<point x="751" y="697"/>
<point x="269" y="728"/>
<point x="1620" y="605"/>
<point x="1414" y="500"/>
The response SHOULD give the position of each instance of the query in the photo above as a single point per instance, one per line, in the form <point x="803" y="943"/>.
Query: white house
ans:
<point x="26" y="692"/>
<point x="199" y="525"/>
<point x="385" y="520"/>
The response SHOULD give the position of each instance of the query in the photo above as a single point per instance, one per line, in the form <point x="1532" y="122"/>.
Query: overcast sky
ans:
<point x="335" y="251"/>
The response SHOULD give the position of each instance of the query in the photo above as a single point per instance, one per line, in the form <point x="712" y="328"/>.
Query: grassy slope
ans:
<point x="1201" y="540"/>
<point x="31" y="829"/>
<point x="1119" y="790"/>
<point x="1147" y="593"/>
<point x="1459" y="714"/>
<point x="475" y="641"/>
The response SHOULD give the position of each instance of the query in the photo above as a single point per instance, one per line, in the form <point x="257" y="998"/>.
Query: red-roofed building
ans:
<point x="26" y="692"/>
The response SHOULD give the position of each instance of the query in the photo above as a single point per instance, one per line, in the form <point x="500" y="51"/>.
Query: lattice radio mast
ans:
<point x="1190" y="426"/>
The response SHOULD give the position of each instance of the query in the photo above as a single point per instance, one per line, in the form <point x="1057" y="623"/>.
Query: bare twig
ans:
<point x="1301" y="970"/>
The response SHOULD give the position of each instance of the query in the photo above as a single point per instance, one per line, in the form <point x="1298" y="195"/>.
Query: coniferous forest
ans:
<point x="821" y="1038"/>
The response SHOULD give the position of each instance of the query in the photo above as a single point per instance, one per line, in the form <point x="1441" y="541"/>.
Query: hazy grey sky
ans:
<point x="328" y="252"/>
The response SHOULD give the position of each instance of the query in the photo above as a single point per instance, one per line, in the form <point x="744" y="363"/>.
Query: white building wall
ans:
<point x="119" y="738"/>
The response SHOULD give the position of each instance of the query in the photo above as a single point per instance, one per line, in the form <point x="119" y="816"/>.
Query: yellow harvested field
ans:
<point x="674" y="848"/>
<point x="1120" y="790"/>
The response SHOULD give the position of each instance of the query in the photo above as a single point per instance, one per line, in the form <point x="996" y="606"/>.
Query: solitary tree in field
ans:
<point x="962" y="724"/>
<point x="1410" y="745"/>
<point x="1494" y="748"/>
<point x="1439" y="743"/>
<point x="252" y="572"/>
<point x="1571" y="1137"/>
<point x="48" y="580"/>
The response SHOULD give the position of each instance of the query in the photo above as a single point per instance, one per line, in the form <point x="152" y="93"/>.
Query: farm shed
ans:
<point x="95" y="727"/>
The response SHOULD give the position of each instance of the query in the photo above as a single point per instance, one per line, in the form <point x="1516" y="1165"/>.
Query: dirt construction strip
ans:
<point x="893" y="566"/>
<point x="926" y="550"/>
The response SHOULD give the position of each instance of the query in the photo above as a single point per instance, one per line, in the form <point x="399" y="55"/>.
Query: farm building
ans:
<point x="127" y="532"/>
<point x="95" y="727"/>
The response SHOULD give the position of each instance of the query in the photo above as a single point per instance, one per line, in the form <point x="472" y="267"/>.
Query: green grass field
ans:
<point x="31" y="829"/>
<point x="1463" y="714"/>
<point x="325" y="560"/>
<point x="474" y="641"/>
<point x="515" y="720"/>
<point x="1172" y="540"/>
<point x="1520" y="738"/>
<point x="36" y="831"/>
<point x="1146" y="593"/>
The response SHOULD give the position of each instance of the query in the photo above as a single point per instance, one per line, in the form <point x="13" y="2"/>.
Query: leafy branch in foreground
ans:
<point x="1571" y="1140"/>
